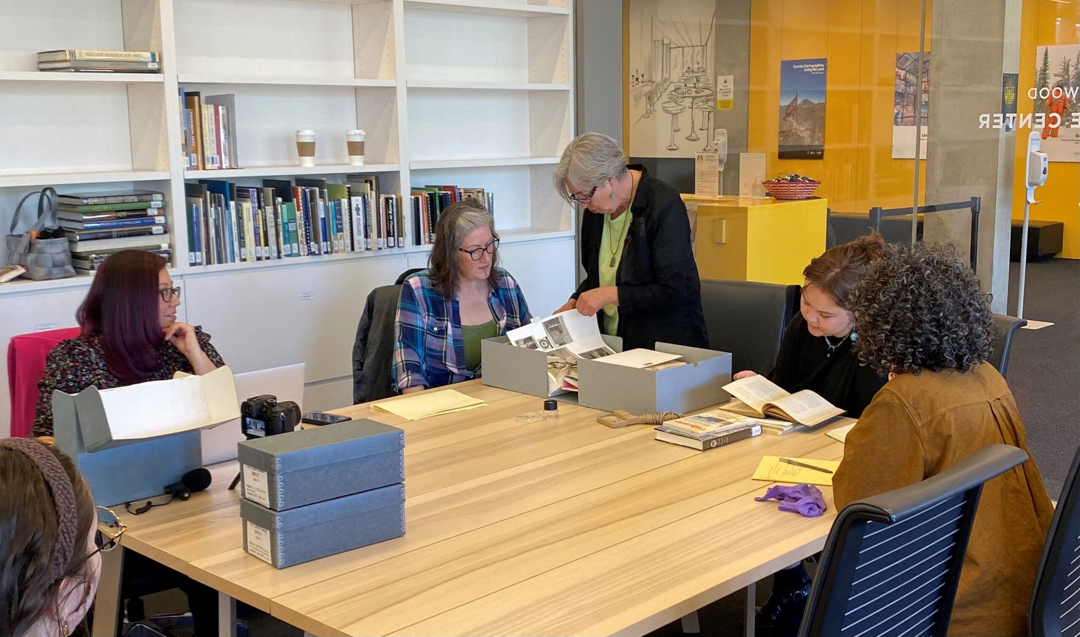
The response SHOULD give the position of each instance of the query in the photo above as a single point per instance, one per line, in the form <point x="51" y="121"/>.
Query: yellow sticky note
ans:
<point x="807" y="470"/>
<point x="429" y="403"/>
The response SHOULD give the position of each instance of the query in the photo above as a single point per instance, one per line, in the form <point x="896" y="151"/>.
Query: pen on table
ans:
<point x="804" y="465"/>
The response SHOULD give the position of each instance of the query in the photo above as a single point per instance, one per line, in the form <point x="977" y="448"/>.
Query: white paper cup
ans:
<point x="305" y="147"/>
<point x="354" y="141"/>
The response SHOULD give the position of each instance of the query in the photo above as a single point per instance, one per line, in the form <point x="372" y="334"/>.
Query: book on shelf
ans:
<point x="113" y="224"/>
<point x="109" y="207"/>
<point x="426" y="205"/>
<point x="104" y="198"/>
<point x="208" y="131"/>
<point x="93" y="235"/>
<point x="101" y="66"/>
<point x="119" y="243"/>
<point x="87" y="262"/>
<point x="68" y="55"/>
<point x="759" y="397"/>
<point x="664" y="434"/>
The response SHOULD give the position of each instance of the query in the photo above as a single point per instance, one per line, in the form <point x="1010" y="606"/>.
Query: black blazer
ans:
<point x="659" y="289"/>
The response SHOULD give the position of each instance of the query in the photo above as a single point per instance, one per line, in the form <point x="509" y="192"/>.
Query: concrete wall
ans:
<point x="599" y="59"/>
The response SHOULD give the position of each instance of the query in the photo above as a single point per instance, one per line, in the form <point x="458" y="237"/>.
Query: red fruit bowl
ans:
<point x="791" y="189"/>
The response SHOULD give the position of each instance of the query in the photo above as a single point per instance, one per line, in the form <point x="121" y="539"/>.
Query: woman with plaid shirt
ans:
<point x="462" y="298"/>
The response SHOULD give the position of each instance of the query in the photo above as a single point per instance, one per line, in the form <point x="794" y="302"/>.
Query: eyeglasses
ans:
<point x="580" y="198"/>
<point x="167" y="294"/>
<point x="104" y="541"/>
<point x="490" y="248"/>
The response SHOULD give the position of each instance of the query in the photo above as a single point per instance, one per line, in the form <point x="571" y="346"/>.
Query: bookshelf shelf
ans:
<point x="198" y="78"/>
<point x="289" y="171"/>
<point x="488" y="7"/>
<point x="67" y="178"/>
<point x="288" y="262"/>
<point x="21" y="286"/>
<point x="112" y="78"/>
<point x="489" y="86"/>
<point x="482" y="163"/>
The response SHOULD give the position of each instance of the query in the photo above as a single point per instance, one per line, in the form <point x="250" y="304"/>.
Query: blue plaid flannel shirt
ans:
<point x="428" y="348"/>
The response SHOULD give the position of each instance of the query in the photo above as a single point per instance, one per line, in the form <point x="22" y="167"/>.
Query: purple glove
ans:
<point x="804" y="499"/>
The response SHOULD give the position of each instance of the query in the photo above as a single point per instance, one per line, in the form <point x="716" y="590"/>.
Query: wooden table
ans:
<point x="561" y="527"/>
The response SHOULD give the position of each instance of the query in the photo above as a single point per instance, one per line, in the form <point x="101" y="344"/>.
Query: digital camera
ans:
<point x="264" y="416"/>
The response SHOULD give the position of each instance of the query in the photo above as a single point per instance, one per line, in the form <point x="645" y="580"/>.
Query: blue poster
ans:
<point x="802" y="109"/>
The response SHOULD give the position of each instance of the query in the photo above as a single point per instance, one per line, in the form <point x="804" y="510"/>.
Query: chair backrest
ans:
<point x="373" y="349"/>
<point x="1055" y="600"/>
<point x="404" y="275"/>
<point x="26" y="365"/>
<point x="892" y="562"/>
<point x="1004" y="328"/>
<point x="748" y="320"/>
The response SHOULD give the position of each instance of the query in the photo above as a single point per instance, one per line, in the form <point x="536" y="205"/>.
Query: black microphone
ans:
<point x="193" y="481"/>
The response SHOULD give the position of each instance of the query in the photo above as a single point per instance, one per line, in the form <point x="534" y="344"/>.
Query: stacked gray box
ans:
<point x="316" y="492"/>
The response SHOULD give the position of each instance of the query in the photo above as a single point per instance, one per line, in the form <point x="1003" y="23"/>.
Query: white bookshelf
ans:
<point x="437" y="109"/>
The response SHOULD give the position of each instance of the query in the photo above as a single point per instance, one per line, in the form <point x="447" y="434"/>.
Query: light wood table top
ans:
<point x="561" y="527"/>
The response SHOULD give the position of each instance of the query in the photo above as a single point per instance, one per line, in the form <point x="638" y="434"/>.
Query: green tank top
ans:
<point x="471" y="335"/>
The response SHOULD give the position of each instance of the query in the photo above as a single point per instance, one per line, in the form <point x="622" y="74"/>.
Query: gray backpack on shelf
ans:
<point x="44" y="259"/>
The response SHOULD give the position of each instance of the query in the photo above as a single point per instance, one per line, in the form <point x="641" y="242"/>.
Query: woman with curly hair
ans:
<point x="923" y="320"/>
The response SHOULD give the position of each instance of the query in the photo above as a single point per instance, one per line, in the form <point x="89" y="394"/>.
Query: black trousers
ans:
<point x="143" y="576"/>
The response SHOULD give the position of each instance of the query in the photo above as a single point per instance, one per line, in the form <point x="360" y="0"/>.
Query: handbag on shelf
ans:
<point x="44" y="258"/>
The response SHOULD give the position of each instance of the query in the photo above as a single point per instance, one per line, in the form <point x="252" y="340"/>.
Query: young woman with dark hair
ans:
<point x="129" y="335"/>
<point x="816" y="353"/>
<point x="462" y="298"/>
<point x="49" y="562"/>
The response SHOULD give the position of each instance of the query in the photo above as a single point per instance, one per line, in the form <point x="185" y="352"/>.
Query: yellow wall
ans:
<point x="1062" y="191"/>
<point x="860" y="40"/>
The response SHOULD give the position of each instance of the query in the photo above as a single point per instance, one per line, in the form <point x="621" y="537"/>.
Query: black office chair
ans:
<point x="748" y="320"/>
<point x="1055" y="600"/>
<point x="1004" y="328"/>
<point x="373" y="348"/>
<point x="892" y="562"/>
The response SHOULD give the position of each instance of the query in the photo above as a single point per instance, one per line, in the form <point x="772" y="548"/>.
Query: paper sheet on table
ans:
<point x="771" y="469"/>
<point x="840" y="433"/>
<point x="639" y="358"/>
<point x="184" y="403"/>
<point x="429" y="403"/>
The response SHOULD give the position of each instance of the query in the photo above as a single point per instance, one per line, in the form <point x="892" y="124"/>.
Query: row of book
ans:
<point x="100" y="224"/>
<point x="81" y="60"/>
<point x="282" y="219"/>
<point x="209" y="136"/>
<point x="428" y="202"/>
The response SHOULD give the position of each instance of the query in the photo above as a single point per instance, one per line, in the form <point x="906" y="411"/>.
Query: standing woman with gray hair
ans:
<point x="641" y="278"/>
<point x="462" y="298"/>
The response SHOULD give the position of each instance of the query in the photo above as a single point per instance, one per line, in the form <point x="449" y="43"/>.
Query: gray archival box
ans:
<point x="287" y="538"/>
<point x="312" y="465"/>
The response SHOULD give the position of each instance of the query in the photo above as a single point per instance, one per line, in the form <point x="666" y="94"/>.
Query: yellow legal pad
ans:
<point x="429" y="403"/>
<point x="772" y="469"/>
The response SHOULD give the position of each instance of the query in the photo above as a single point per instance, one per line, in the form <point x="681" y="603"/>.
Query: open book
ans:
<point x="760" y="397"/>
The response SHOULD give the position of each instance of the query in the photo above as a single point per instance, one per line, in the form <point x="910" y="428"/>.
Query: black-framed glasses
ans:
<point x="580" y="198"/>
<point x="489" y="248"/>
<point x="167" y="294"/>
<point x="107" y="541"/>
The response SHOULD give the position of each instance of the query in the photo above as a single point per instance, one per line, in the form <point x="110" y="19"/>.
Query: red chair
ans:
<point x="26" y="365"/>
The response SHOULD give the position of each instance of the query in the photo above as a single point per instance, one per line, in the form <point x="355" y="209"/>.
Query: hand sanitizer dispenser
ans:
<point x="720" y="142"/>
<point x="1038" y="168"/>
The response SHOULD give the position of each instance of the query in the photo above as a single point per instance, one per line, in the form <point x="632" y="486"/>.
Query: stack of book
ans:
<point x="708" y="431"/>
<point x="282" y="219"/>
<point x="208" y="139"/>
<point x="99" y="61"/>
<point x="428" y="202"/>
<point x="99" y="224"/>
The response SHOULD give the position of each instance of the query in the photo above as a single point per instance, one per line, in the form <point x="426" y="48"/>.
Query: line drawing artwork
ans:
<point x="671" y="77"/>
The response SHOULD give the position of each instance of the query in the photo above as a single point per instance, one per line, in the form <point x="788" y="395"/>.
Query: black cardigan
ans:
<point x="657" y="278"/>
<point x="804" y="363"/>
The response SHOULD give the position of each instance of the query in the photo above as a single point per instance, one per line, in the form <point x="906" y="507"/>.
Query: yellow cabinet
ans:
<point x="750" y="239"/>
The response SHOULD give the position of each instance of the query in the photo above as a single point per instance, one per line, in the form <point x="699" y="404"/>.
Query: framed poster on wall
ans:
<point x="802" y="109"/>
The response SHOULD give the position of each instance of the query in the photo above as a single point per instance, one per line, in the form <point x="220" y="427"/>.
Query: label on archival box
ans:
<point x="255" y="486"/>
<point x="258" y="542"/>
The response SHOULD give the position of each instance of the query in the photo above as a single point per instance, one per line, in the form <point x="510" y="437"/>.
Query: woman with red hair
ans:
<point x="129" y="335"/>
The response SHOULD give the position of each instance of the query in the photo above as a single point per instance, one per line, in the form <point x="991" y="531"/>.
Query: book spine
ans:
<point x="271" y="227"/>
<point x="210" y="154"/>
<point x="282" y="227"/>
<point x="301" y="230"/>
<point x="221" y="122"/>
<point x="237" y="236"/>
<point x="728" y="438"/>
<point x="136" y="222"/>
<point x="391" y="222"/>
<point x="324" y="222"/>
<point x="112" y="56"/>
<point x="193" y="212"/>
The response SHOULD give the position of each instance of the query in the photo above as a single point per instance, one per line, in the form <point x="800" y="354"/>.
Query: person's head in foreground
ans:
<point x="921" y="307"/>
<point x="466" y="248"/>
<point x="49" y="559"/>
<point x="828" y="282"/>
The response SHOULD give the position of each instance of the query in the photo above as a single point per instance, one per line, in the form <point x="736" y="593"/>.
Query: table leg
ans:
<point x="690" y="624"/>
<point x="226" y="616"/>
<point x="751" y="610"/>
<point x="107" y="605"/>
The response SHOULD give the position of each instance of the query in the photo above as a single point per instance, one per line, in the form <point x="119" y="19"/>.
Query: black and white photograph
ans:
<point x="528" y="343"/>
<point x="599" y="352"/>
<point x="557" y="332"/>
